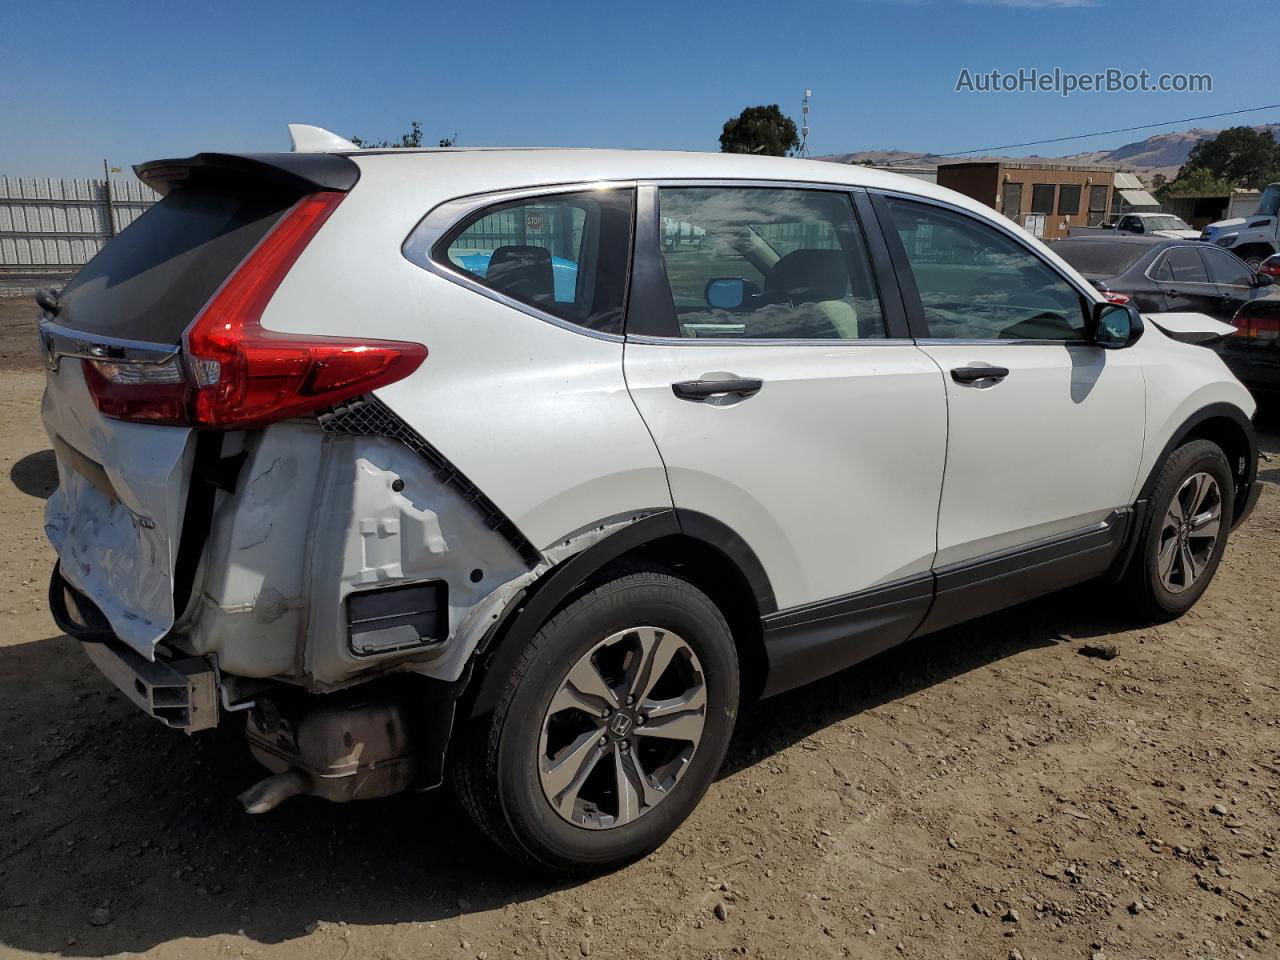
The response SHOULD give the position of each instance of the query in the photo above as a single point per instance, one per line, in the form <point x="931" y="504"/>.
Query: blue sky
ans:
<point x="133" y="81"/>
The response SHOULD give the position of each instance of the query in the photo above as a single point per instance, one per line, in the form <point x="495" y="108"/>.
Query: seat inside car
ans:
<point x="818" y="277"/>
<point x="522" y="271"/>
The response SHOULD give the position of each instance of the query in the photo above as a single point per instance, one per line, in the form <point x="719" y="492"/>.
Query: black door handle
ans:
<point x="704" y="389"/>
<point x="974" y="374"/>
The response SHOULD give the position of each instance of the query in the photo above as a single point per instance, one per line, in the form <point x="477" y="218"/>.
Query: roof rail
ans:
<point x="307" y="138"/>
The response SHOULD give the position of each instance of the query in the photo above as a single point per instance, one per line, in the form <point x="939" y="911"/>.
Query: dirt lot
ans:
<point x="986" y="792"/>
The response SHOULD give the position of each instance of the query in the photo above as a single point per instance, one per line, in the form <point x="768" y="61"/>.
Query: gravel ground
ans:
<point x="987" y="792"/>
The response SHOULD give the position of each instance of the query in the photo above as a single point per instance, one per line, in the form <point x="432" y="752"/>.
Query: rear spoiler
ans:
<point x="306" y="172"/>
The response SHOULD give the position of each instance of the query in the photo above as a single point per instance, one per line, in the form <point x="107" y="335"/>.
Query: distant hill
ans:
<point x="1163" y="153"/>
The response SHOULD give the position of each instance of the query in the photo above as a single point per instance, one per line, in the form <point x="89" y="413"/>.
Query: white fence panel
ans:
<point x="51" y="226"/>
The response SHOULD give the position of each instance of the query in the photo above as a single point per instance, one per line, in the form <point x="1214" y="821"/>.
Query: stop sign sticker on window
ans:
<point x="533" y="221"/>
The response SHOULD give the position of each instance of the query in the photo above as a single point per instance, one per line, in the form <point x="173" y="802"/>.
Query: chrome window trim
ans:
<point x="979" y="342"/>
<point x="816" y="185"/>
<point x="1165" y="252"/>
<point x="58" y="341"/>
<point x="763" y="342"/>
<point x="444" y="217"/>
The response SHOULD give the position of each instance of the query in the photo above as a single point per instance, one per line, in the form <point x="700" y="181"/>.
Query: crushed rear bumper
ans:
<point x="181" y="693"/>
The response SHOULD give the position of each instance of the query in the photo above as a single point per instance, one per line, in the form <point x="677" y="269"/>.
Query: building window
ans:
<point x="1069" y="200"/>
<point x="1012" y="201"/>
<point x="1097" y="205"/>
<point x="1042" y="197"/>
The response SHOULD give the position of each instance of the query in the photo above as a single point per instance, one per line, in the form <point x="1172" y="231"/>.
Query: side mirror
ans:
<point x="725" y="293"/>
<point x="1116" y="325"/>
<point x="1263" y="279"/>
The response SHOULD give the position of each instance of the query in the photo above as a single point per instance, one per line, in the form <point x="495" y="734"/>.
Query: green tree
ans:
<point x="764" y="130"/>
<point x="1194" y="180"/>
<point x="411" y="139"/>
<point x="1240" y="156"/>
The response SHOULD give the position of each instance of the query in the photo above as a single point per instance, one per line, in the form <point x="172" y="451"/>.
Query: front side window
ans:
<point x="1224" y="268"/>
<point x="763" y="263"/>
<point x="978" y="283"/>
<point x="564" y="254"/>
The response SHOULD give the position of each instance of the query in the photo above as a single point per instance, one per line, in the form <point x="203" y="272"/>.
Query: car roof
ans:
<point x="533" y="166"/>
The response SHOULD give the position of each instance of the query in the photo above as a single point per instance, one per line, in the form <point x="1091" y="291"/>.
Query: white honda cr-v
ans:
<point x="523" y="468"/>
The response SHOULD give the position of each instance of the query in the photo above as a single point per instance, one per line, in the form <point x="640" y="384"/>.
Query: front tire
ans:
<point x="609" y="730"/>
<point x="1184" y="533"/>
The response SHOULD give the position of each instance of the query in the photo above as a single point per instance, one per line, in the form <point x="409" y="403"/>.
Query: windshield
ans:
<point x="1269" y="205"/>
<point x="1165" y="223"/>
<point x="1100" y="258"/>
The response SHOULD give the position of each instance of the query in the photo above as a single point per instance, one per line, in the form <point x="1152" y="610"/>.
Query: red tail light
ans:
<point x="1113" y="297"/>
<point x="238" y="375"/>
<point x="1257" y="325"/>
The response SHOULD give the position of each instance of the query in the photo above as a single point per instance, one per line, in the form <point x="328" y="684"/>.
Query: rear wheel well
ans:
<point x="712" y="572"/>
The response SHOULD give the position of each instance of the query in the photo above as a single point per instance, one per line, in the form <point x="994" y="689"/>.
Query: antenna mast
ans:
<point x="804" y="123"/>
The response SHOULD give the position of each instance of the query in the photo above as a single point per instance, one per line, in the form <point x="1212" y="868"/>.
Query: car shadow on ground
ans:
<point x="36" y="474"/>
<point x="120" y="835"/>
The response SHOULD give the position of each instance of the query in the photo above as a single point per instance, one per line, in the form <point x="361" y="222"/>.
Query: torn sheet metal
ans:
<point x="116" y="518"/>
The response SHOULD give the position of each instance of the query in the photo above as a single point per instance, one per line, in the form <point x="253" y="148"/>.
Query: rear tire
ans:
<point x="566" y="774"/>
<point x="1184" y="533"/>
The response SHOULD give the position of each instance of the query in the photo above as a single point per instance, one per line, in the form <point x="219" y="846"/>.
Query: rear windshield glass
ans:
<point x="150" y="281"/>
<point x="1098" y="257"/>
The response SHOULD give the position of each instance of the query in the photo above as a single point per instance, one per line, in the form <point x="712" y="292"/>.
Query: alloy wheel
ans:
<point x="1189" y="532"/>
<point x="622" y="727"/>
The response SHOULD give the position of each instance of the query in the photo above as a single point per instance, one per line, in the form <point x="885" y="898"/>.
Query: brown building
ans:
<point x="1044" y="198"/>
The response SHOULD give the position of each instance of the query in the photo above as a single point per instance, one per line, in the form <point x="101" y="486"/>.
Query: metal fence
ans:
<point x="50" y="226"/>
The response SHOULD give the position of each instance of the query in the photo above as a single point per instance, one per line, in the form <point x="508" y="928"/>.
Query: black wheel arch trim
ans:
<point x="525" y="613"/>
<point x="1245" y="481"/>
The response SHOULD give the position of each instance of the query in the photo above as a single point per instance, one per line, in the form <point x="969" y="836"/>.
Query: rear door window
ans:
<point x="564" y="254"/>
<point x="1183" y="265"/>
<point x="149" y="283"/>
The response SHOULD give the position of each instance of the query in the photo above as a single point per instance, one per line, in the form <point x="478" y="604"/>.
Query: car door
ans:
<point x="1046" y="428"/>
<point x="1184" y="282"/>
<point x="790" y="407"/>
<point x="1235" y="284"/>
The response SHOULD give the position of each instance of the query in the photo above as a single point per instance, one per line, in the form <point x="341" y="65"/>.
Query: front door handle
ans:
<point x="976" y="374"/>
<point x="705" y="389"/>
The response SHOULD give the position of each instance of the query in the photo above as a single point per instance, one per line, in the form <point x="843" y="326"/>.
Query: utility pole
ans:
<point x="106" y="194"/>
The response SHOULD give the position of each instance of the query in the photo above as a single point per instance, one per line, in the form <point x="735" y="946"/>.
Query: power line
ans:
<point x="1081" y="136"/>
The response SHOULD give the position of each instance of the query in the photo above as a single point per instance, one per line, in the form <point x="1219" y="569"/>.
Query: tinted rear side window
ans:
<point x="1183" y="264"/>
<point x="1098" y="257"/>
<point x="150" y="281"/>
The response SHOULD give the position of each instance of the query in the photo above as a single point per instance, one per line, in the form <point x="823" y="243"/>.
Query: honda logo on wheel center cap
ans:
<point x="620" y="725"/>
